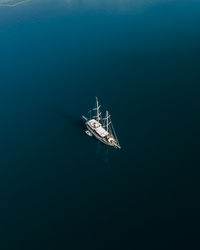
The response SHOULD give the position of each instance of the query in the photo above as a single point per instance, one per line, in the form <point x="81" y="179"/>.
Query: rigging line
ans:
<point x="97" y="107"/>
<point x="106" y="118"/>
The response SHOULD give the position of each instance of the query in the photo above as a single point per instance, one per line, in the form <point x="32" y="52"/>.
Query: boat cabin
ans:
<point x="98" y="128"/>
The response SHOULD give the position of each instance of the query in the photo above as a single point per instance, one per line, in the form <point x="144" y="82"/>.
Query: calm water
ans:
<point x="59" y="188"/>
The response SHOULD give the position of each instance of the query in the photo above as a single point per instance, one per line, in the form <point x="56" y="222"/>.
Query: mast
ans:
<point x="107" y="121"/>
<point x="98" y="113"/>
<point x="109" y="127"/>
<point x="115" y="135"/>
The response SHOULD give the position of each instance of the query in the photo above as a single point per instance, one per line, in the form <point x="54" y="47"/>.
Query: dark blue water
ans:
<point x="59" y="188"/>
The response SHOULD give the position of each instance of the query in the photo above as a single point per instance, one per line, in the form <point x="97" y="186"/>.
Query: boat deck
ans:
<point x="97" y="129"/>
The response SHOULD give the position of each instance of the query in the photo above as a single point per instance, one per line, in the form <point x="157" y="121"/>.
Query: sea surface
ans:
<point x="61" y="189"/>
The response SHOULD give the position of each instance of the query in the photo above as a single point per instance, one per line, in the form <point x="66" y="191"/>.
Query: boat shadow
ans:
<point x="75" y="121"/>
<point x="102" y="151"/>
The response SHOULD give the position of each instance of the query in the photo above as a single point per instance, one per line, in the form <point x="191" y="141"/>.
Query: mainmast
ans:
<point x="98" y="114"/>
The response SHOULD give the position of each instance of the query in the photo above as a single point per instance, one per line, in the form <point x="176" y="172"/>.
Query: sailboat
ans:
<point x="101" y="128"/>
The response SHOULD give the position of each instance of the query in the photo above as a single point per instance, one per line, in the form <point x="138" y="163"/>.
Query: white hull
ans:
<point x="98" y="137"/>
